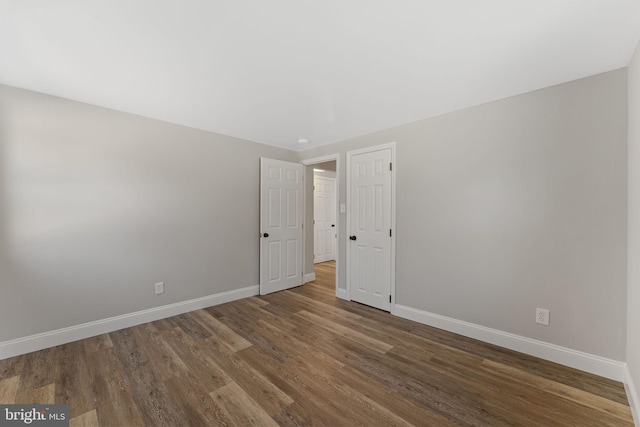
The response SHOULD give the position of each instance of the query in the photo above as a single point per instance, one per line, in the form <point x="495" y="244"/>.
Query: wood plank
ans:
<point x="112" y="390"/>
<point x="73" y="381"/>
<point x="88" y="419"/>
<point x="164" y="324"/>
<point x="192" y="328"/>
<point x="11" y="367"/>
<point x="97" y="343"/>
<point x="311" y="305"/>
<point x="166" y="363"/>
<point x="318" y="406"/>
<point x="198" y="358"/>
<point x="295" y="415"/>
<point x="196" y="403"/>
<point x="315" y="387"/>
<point x="9" y="390"/>
<point x="240" y="408"/>
<point x="349" y="333"/>
<point x="44" y="395"/>
<point x="242" y="322"/>
<point x="300" y="350"/>
<point x="38" y="370"/>
<point x="376" y="411"/>
<point x="265" y="392"/>
<point x="223" y="332"/>
<point x="409" y="410"/>
<point x="148" y="390"/>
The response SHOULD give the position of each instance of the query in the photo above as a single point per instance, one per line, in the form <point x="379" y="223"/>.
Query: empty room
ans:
<point x="337" y="213"/>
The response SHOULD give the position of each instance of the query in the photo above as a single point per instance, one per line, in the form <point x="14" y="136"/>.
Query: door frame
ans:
<point x="340" y="293"/>
<point x="394" y="168"/>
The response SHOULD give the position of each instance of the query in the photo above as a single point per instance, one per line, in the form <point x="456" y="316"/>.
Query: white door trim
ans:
<point x="392" y="146"/>
<point x="340" y="293"/>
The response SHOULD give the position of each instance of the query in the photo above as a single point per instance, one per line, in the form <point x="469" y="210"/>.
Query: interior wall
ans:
<point x="326" y="174"/>
<point x="513" y="205"/>
<point x="633" y="260"/>
<point x="329" y="166"/>
<point x="97" y="205"/>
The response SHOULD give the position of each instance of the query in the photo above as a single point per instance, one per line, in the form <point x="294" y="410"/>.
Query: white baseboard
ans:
<point x="632" y="395"/>
<point x="74" y="333"/>
<point x="309" y="277"/>
<point x="342" y="294"/>
<point x="597" y="365"/>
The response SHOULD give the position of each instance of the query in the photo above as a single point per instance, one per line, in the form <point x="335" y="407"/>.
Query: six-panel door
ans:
<point x="324" y="216"/>
<point x="281" y="225"/>
<point x="370" y="228"/>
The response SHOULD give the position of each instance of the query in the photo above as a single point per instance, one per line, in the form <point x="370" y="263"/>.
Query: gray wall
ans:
<point x="327" y="166"/>
<point x="97" y="205"/>
<point x="633" y="260"/>
<point x="513" y="205"/>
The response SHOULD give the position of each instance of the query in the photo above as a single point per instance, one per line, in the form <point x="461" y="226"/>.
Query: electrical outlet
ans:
<point x="159" y="288"/>
<point x="542" y="316"/>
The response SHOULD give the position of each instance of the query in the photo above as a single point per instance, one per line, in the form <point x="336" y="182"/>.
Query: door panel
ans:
<point x="280" y="225"/>
<point x="274" y="261"/>
<point x="370" y="225"/>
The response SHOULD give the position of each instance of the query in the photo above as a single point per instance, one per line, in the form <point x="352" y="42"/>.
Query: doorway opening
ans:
<point x="324" y="212"/>
<point x="322" y="216"/>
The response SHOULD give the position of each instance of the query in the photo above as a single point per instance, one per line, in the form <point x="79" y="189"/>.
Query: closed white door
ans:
<point x="324" y="216"/>
<point x="370" y="228"/>
<point x="280" y="225"/>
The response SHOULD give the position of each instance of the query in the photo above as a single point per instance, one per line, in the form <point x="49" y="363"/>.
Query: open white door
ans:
<point x="324" y="217"/>
<point x="370" y="220"/>
<point x="281" y="210"/>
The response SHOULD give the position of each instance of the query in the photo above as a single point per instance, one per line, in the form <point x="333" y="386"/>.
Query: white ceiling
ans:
<point x="277" y="71"/>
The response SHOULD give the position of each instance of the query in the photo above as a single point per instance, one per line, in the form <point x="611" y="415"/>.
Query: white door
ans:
<point x="280" y="225"/>
<point x="324" y="216"/>
<point x="370" y="228"/>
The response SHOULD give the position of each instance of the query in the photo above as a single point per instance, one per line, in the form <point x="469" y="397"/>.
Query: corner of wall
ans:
<point x="632" y="395"/>
<point x="632" y="371"/>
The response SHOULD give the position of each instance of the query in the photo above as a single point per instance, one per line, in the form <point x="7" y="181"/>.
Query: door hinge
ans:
<point x="389" y="232"/>
<point x="390" y="166"/>
<point x="389" y="298"/>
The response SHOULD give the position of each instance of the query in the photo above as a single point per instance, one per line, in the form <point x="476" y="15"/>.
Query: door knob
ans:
<point x="352" y="237"/>
<point x="333" y="225"/>
<point x="265" y="235"/>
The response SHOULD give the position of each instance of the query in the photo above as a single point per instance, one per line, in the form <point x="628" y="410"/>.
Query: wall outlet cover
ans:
<point x="542" y="316"/>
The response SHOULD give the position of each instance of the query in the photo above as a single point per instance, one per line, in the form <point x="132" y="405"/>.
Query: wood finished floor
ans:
<point x="303" y="357"/>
